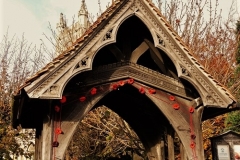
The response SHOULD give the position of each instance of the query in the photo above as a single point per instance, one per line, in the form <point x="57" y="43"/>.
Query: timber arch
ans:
<point x="130" y="47"/>
<point x="152" y="109"/>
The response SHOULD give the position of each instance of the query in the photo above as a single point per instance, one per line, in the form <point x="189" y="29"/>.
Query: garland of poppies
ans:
<point x="176" y="105"/>
<point x="115" y="86"/>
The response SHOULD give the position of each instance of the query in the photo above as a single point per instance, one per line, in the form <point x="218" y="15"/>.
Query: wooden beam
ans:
<point x="156" y="56"/>
<point x="142" y="48"/>
<point x="43" y="142"/>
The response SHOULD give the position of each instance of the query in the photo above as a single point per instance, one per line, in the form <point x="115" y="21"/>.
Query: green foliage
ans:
<point x="232" y="121"/>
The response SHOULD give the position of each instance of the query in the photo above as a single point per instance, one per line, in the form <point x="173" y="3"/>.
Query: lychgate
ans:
<point x="131" y="61"/>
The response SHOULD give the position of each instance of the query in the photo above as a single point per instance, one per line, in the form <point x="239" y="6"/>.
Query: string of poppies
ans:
<point x="176" y="105"/>
<point x="171" y="100"/>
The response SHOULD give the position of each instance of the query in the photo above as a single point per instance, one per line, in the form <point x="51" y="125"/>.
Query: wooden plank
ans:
<point x="142" y="48"/>
<point x="156" y="56"/>
<point x="170" y="142"/>
<point x="183" y="155"/>
<point x="43" y="146"/>
<point x="71" y="119"/>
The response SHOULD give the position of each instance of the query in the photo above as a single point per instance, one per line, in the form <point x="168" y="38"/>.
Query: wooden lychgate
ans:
<point x="131" y="61"/>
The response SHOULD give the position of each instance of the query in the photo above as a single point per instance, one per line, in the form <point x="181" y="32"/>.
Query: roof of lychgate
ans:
<point x="116" y="5"/>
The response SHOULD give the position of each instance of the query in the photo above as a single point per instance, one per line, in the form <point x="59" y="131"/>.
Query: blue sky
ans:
<point x="31" y="17"/>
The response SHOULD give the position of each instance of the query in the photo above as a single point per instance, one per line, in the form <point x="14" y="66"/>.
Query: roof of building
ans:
<point x="80" y="42"/>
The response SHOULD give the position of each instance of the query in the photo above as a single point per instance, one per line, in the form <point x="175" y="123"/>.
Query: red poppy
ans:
<point x="55" y="144"/>
<point x="82" y="99"/>
<point x="193" y="136"/>
<point x="152" y="91"/>
<point x="93" y="91"/>
<point x="121" y="83"/>
<point x="64" y="99"/>
<point x="191" y="109"/>
<point x="115" y="86"/>
<point x="57" y="108"/>
<point x="172" y="98"/>
<point x="237" y="156"/>
<point x="192" y="145"/>
<point x="176" y="106"/>
<point x="142" y="90"/>
<point x="130" y="81"/>
<point x="58" y="131"/>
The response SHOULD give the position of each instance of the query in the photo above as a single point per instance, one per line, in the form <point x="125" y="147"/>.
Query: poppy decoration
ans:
<point x="130" y="81"/>
<point x="152" y="91"/>
<point x="193" y="136"/>
<point x="58" y="131"/>
<point x="171" y="98"/>
<point x="142" y="90"/>
<point x="114" y="86"/>
<point x="191" y="110"/>
<point x="176" y="106"/>
<point x="64" y="99"/>
<point x="55" y="144"/>
<point x="192" y="145"/>
<point x="57" y="108"/>
<point x="121" y="83"/>
<point x="94" y="91"/>
<point x="82" y="99"/>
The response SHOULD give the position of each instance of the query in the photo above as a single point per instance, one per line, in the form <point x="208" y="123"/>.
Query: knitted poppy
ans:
<point x="58" y="131"/>
<point x="114" y="86"/>
<point x="64" y="99"/>
<point x="121" y="83"/>
<point x="172" y="98"/>
<point x="93" y="91"/>
<point x="82" y="99"/>
<point x="193" y="136"/>
<point x="130" y="81"/>
<point x="192" y="145"/>
<point x="191" y="109"/>
<point x="57" y="108"/>
<point x="55" y="144"/>
<point x="142" y="90"/>
<point x="152" y="91"/>
<point x="176" y="106"/>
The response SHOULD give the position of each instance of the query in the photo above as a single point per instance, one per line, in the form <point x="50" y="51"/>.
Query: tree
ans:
<point x="19" y="60"/>
<point x="232" y="121"/>
<point x="103" y="134"/>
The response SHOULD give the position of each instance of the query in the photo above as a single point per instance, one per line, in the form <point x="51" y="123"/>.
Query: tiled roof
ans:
<point x="76" y="44"/>
<point x="109" y="11"/>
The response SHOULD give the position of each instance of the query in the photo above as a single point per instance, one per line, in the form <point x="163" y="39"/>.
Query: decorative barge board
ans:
<point x="131" y="61"/>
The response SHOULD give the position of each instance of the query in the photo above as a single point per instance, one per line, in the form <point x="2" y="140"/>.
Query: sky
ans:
<point x="32" y="17"/>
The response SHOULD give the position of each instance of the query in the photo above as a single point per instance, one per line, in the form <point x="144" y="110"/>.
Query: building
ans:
<point x="67" y="35"/>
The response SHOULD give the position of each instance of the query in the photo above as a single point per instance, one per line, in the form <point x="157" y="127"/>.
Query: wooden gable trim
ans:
<point x="95" y="32"/>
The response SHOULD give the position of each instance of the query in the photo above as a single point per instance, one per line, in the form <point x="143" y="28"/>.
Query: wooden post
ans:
<point x="43" y="142"/>
<point x="170" y="142"/>
<point x="183" y="155"/>
<point x="157" y="152"/>
<point x="198" y="132"/>
<point x="162" y="150"/>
